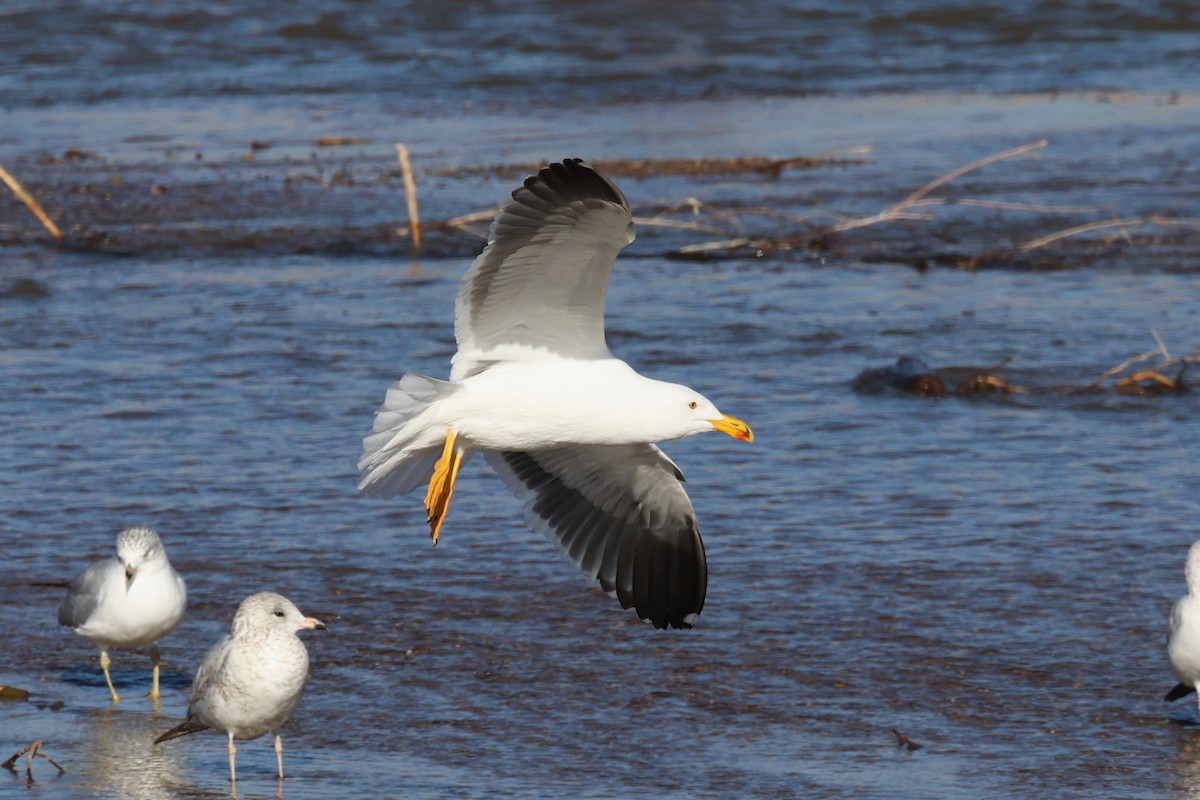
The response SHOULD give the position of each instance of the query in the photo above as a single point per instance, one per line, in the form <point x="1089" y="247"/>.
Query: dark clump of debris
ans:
<point x="904" y="741"/>
<point x="24" y="289"/>
<point x="912" y="376"/>
<point x="13" y="693"/>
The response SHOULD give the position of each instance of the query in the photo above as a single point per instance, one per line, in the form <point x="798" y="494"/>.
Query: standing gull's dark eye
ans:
<point x="693" y="405"/>
<point x="278" y="613"/>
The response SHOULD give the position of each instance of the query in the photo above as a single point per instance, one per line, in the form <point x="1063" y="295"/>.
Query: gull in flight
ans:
<point x="566" y="424"/>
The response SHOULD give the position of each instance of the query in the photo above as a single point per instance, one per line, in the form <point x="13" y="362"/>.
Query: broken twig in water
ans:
<point x="410" y="195"/>
<point x="31" y="751"/>
<point x="31" y="202"/>
<point x="904" y="741"/>
<point x="1150" y="380"/>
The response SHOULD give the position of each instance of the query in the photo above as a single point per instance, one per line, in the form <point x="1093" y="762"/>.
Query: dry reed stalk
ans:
<point x="474" y="216"/>
<point x="1161" y="346"/>
<point x="1152" y="372"/>
<point x="904" y="210"/>
<point x="974" y="165"/>
<point x="31" y="202"/>
<point x="674" y="224"/>
<point x="1041" y="241"/>
<point x="465" y="222"/>
<point x="1005" y="205"/>
<point x="1123" y="224"/>
<point x="900" y="210"/>
<point x="708" y="247"/>
<point x="1159" y="219"/>
<point x="1126" y="364"/>
<point x="410" y="195"/>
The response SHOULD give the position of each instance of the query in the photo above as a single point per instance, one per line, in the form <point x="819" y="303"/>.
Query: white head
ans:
<point x="271" y="613"/>
<point x="1192" y="570"/>
<point x="673" y="411"/>
<point x="139" y="549"/>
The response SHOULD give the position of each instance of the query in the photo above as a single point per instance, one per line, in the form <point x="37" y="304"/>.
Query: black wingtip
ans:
<point x="573" y="179"/>
<point x="670" y="581"/>
<point x="1180" y="690"/>
<point x="181" y="730"/>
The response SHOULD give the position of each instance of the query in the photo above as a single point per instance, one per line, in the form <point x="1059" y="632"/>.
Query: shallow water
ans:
<point x="990" y="576"/>
<point x="425" y="53"/>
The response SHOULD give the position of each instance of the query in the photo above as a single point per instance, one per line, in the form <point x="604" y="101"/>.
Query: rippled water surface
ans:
<point x="987" y="575"/>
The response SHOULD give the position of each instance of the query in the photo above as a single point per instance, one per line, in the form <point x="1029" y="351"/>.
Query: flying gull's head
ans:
<point x="686" y="412"/>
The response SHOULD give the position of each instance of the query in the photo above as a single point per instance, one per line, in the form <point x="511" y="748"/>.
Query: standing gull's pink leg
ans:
<point x="232" y="759"/>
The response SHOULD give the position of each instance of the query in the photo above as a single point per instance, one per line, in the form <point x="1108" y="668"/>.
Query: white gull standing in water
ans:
<point x="128" y="601"/>
<point x="251" y="681"/>
<point x="565" y="423"/>
<point x="1183" y="639"/>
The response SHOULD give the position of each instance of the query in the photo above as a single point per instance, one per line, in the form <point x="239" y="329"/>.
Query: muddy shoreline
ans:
<point x="347" y="205"/>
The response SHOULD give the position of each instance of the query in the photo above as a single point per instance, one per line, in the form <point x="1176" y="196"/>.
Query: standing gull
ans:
<point x="128" y="601"/>
<point x="565" y="423"/>
<point x="1183" y="639"/>
<point x="250" y="682"/>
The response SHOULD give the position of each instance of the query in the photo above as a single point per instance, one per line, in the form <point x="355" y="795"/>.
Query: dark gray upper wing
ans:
<point x="620" y="514"/>
<point x="538" y="289"/>
<point x="84" y="595"/>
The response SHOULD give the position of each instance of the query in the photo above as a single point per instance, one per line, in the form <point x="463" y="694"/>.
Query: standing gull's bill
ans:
<point x="1183" y="637"/>
<point x="565" y="423"/>
<point x="251" y="681"/>
<point x="132" y="600"/>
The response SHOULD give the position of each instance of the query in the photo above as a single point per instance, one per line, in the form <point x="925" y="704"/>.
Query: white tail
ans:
<point x="398" y="453"/>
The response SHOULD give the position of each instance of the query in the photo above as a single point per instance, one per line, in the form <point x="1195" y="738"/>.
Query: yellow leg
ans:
<point x="105" y="663"/>
<point x="439" y="469"/>
<point x="441" y="485"/>
<point x="154" y="660"/>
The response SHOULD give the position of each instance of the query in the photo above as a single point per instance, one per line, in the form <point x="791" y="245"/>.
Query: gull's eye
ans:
<point x="693" y="405"/>
<point x="278" y="613"/>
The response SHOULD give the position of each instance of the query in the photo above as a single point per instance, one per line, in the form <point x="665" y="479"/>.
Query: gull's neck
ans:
<point x="154" y="565"/>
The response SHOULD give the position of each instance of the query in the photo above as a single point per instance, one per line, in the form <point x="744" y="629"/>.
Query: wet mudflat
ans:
<point x="989" y="575"/>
